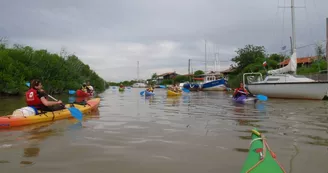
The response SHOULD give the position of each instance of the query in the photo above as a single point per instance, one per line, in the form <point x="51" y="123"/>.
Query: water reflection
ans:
<point x="173" y="101"/>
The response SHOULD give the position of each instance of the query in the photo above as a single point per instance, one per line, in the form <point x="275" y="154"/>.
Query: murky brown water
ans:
<point x="195" y="133"/>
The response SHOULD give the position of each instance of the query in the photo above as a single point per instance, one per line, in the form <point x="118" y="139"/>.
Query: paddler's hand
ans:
<point x="59" y="102"/>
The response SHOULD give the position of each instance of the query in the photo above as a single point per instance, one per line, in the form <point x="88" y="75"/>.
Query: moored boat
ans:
<point x="281" y="84"/>
<point x="260" y="158"/>
<point x="212" y="83"/>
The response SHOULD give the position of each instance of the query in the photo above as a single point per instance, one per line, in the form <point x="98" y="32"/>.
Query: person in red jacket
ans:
<point x="240" y="91"/>
<point x="36" y="97"/>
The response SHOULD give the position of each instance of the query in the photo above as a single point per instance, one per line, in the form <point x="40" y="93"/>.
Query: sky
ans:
<point x="112" y="35"/>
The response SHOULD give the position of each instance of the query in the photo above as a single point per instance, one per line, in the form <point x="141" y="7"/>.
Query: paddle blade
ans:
<point x="142" y="93"/>
<point x="262" y="97"/>
<point x="28" y="84"/>
<point x="162" y="86"/>
<point x="76" y="113"/>
<point x="185" y="90"/>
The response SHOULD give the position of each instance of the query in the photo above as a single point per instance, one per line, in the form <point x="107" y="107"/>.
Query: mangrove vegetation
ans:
<point x="58" y="73"/>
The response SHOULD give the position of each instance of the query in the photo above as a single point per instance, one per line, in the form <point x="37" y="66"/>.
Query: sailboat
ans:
<point x="283" y="82"/>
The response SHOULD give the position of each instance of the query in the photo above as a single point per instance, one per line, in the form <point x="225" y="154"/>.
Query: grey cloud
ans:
<point x="112" y="35"/>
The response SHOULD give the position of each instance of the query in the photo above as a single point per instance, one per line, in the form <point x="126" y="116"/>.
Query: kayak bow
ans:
<point x="261" y="159"/>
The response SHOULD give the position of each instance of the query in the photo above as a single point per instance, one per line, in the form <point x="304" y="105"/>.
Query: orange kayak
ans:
<point x="14" y="121"/>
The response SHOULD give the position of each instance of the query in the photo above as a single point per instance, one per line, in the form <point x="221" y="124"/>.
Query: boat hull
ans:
<point x="292" y="90"/>
<point x="191" y="87"/>
<point x="216" y="85"/>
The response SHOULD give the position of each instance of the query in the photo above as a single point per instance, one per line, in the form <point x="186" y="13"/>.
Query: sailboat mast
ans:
<point x="205" y="59"/>
<point x="293" y="26"/>
<point x="138" y="71"/>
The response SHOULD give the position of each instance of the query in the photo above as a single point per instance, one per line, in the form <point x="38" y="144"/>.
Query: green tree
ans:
<point x="154" y="76"/>
<point x="248" y="55"/>
<point x="58" y="74"/>
<point x="198" y="72"/>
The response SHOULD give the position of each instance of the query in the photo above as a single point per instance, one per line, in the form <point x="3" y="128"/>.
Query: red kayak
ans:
<point x="80" y="93"/>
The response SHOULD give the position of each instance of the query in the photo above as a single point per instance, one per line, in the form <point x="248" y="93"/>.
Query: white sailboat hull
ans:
<point x="297" y="90"/>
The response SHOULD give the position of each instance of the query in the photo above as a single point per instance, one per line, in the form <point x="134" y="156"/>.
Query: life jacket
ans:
<point x="237" y="93"/>
<point x="32" y="99"/>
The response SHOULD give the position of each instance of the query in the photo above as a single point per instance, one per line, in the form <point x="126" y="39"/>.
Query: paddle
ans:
<point x="142" y="93"/>
<point x="185" y="90"/>
<point x="261" y="97"/>
<point x="74" y="111"/>
<point x="162" y="86"/>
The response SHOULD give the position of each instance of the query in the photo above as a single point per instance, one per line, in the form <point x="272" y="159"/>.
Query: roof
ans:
<point x="301" y="60"/>
<point x="168" y="73"/>
<point x="229" y="70"/>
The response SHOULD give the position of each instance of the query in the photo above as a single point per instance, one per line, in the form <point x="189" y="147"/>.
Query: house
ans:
<point x="303" y="61"/>
<point x="226" y="72"/>
<point x="165" y="76"/>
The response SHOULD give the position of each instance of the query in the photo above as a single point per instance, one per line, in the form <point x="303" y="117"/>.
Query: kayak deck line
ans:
<point x="263" y="155"/>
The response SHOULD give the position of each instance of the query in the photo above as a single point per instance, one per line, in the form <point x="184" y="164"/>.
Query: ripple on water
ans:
<point x="196" y="132"/>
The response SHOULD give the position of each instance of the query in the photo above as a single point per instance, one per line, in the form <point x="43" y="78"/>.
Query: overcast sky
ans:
<point x="111" y="36"/>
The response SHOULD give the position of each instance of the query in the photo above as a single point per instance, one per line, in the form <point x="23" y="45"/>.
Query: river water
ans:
<point x="196" y="133"/>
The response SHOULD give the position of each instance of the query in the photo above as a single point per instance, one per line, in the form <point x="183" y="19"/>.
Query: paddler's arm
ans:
<point x="42" y="95"/>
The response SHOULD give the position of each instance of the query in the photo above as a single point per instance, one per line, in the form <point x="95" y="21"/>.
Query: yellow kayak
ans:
<point x="14" y="121"/>
<point x="172" y="93"/>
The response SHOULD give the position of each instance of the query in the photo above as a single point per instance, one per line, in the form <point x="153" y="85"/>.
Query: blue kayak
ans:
<point x="147" y="93"/>
<point x="245" y="100"/>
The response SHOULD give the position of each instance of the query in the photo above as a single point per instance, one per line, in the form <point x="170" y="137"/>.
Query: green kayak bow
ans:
<point x="261" y="159"/>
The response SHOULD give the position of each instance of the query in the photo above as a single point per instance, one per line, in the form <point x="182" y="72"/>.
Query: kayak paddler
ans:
<point x="176" y="88"/>
<point x="240" y="91"/>
<point x="36" y="97"/>
<point x="89" y="88"/>
<point x="150" y="89"/>
<point x="84" y="88"/>
<point x="121" y="86"/>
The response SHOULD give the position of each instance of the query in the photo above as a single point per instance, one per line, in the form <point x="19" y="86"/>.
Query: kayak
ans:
<point x="172" y="93"/>
<point x="81" y="93"/>
<point x="14" y="121"/>
<point x="147" y="93"/>
<point x="245" y="100"/>
<point x="260" y="149"/>
<point x="120" y="89"/>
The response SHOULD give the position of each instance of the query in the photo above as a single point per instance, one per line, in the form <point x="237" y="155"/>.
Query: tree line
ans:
<point x="58" y="73"/>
